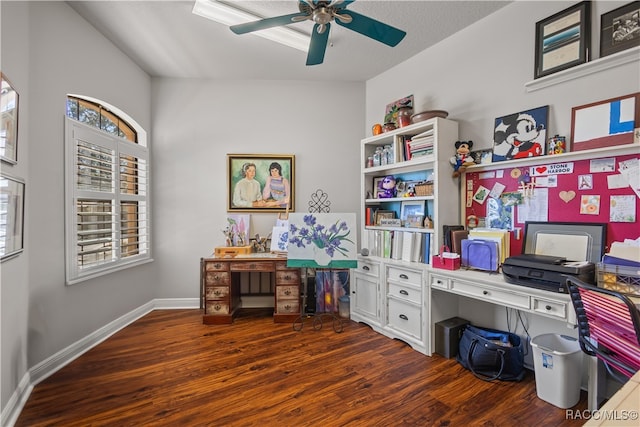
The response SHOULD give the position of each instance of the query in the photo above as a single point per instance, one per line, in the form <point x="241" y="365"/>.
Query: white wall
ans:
<point x="479" y="74"/>
<point x="48" y="51"/>
<point x="198" y="122"/>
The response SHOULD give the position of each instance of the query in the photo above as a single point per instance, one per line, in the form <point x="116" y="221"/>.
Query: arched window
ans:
<point x="107" y="182"/>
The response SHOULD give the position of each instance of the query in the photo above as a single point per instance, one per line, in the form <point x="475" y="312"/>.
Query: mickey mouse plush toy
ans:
<point x="463" y="158"/>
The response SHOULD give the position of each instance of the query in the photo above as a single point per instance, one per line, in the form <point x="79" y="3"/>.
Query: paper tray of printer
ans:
<point x="545" y="272"/>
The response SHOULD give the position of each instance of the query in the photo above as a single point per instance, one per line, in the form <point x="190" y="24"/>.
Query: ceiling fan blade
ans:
<point x="318" y="45"/>
<point x="266" y="23"/>
<point x="369" y="27"/>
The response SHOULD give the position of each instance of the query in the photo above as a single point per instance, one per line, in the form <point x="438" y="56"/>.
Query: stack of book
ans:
<point x="420" y="144"/>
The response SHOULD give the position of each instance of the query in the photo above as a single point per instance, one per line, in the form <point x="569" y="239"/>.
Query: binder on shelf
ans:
<point x="416" y="251"/>
<point x="396" y="244"/>
<point x="386" y="244"/>
<point x="407" y="245"/>
<point x="426" y="248"/>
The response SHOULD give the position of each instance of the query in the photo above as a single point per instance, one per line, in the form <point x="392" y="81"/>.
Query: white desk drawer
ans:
<point x="490" y="294"/>
<point x="552" y="308"/>
<point x="406" y="292"/>
<point x="439" y="282"/>
<point x="405" y="276"/>
<point x="405" y="317"/>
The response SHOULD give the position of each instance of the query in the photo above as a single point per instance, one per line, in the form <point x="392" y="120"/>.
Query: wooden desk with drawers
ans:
<point x="220" y="295"/>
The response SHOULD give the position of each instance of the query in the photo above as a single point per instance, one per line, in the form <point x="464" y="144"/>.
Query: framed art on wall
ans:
<point x="605" y="123"/>
<point x="261" y="182"/>
<point x="520" y="135"/>
<point x="620" y="29"/>
<point x="563" y="40"/>
<point x="11" y="216"/>
<point x="9" y="121"/>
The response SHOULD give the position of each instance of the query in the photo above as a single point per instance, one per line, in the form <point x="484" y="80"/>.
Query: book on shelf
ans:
<point x="386" y="244"/>
<point x="426" y="248"/>
<point x="396" y="244"/>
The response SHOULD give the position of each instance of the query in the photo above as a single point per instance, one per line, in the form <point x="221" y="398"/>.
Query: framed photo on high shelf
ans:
<point x="11" y="216"/>
<point x="8" y="121"/>
<point x="261" y="182"/>
<point x="605" y="123"/>
<point x="563" y="40"/>
<point x="620" y="29"/>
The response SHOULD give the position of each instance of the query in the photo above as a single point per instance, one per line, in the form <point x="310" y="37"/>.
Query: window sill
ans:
<point x="106" y="271"/>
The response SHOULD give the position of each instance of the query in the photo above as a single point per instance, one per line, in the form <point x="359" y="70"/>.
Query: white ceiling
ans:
<point x="166" y="40"/>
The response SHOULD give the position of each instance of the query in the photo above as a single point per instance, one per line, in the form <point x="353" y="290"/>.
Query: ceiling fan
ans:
<point x="322" y="13"/>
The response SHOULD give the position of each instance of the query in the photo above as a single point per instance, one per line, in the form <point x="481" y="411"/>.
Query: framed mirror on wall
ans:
<point x="8" y="121"/>
<point x="11" y="216"/>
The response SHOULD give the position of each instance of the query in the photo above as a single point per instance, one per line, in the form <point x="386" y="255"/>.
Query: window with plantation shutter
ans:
<point x="107" y="182"/>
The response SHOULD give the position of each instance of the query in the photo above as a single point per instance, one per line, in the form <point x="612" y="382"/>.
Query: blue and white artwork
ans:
<point x="322" y="240"/>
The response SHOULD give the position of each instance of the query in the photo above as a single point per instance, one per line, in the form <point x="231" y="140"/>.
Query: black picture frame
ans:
<point x="563" y="40"/>
<point x="595" y="234"/>
<point x="11" y="216"/>
<point x="261" y="164"/>
<point x="620" y="29"/>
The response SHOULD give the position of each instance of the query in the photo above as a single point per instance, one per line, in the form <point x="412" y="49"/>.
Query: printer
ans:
<point x="546" y="272"/>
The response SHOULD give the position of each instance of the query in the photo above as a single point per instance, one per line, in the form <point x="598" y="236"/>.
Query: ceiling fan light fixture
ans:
<point x="229" y="15"/>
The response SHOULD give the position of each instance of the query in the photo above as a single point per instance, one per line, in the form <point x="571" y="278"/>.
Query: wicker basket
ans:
<point x="619" y="278"/>
<point x="424" y="189"/>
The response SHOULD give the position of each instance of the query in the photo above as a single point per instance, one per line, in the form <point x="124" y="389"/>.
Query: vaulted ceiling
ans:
<point x="167" y="40"/>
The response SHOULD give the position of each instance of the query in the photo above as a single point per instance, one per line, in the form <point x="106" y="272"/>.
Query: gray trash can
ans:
<point x="557" y="361"/>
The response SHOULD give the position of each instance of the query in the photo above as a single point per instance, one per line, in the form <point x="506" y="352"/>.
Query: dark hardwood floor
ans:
<point x="168" y="369"/>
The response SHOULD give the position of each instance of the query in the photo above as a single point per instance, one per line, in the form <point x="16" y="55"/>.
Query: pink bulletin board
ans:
<point x="578" y="178"/>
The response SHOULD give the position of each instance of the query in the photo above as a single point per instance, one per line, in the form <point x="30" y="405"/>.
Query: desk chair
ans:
<point x="608" y="327"/>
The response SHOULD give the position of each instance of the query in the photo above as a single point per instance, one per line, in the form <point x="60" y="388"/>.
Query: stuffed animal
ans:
<point x="387" y="187"/>
<point x="463" y="157"/>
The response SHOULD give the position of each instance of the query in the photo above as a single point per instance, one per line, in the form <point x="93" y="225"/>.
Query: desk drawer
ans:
<point x="216" y="292"/>
<point x="288" y="277"/>
<point x="405" y="317"/>
<point x="288" y="306"/>
<point x="552" y="308"/>
<point x="216" y="266"/>
<point x="490" y="294"/>
<point x="406" y="276"/>
<point x="221" y="278"/>
<point x="405" y="292"/>
<point x="216" y="307"/>
<point x="252" y="266"/>
<point x="284" y="292"/>
<point x="439" y="282"/>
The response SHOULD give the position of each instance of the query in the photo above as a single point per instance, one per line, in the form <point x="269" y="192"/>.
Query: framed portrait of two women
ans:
<point x="260" y="182"/>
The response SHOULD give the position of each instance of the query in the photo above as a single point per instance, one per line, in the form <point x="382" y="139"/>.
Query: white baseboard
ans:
<point x="51" y="365"/>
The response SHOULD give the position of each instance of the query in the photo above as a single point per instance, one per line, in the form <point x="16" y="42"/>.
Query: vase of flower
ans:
<point x="320" y="256"/>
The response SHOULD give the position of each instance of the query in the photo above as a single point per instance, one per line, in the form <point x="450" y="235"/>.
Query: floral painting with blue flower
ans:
<point x="325" y="240"/>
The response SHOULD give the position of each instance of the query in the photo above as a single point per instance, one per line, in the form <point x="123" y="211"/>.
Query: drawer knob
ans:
<point x="287" y="277"/>
<point x="547" y="307"/>
<point x="403" y="292"/>
<point x="485" y="292"/>
<point x="287" y="292"/>
<point x="217" y="292"/>
<point x="404" y="276"/>
<point x="218" y="266"/>
<point x="403" y="317"/>
<point x="365" y="268"/>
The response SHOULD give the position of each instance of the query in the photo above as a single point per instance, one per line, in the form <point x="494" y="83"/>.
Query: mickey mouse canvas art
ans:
<point x="520" y="135"/>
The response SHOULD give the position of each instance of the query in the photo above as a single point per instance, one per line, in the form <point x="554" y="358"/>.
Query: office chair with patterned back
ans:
<point x="608" y="327"/>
